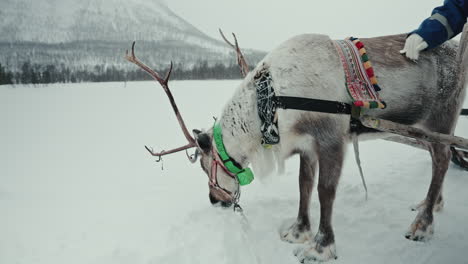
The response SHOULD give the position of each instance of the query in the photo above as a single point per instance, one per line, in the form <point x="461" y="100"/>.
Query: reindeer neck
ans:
<point x="240" y="126"/>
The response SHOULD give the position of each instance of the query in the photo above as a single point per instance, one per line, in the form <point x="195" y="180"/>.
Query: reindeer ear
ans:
<point x="203" y="140"/>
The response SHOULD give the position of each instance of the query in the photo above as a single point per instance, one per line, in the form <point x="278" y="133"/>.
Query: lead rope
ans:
<point x="358" y="160"/>
<point x="354" y="123"/>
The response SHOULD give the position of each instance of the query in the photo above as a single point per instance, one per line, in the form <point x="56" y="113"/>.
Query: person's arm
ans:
<point x="445" y="22"/>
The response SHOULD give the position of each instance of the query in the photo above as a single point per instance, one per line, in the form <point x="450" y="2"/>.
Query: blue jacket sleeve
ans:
<point x="445" y="23"/>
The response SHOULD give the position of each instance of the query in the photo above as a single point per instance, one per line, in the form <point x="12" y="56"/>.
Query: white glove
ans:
<point x="413" y="45"/>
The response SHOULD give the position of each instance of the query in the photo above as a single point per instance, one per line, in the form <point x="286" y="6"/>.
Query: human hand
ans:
<point x="413" y="45"/>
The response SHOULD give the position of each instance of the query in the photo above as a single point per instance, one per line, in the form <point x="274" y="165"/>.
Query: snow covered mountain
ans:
<point x="59" y="21"/>
<point x="92" y="31"/>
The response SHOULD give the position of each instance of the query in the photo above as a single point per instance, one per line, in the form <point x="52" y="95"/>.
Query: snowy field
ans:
<point x="77" y="187"/>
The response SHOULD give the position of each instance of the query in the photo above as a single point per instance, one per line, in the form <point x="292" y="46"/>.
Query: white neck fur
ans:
<point x="240" y="126"/>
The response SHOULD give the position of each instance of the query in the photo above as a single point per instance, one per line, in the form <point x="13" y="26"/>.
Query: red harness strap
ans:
<point x="219" y="191"/>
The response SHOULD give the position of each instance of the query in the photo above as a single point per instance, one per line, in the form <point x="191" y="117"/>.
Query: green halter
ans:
<point x="245" y="176"/>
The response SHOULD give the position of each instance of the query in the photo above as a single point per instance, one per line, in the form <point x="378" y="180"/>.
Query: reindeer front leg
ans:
<point x="322" y="248"/>
<point x="299" y="232"/>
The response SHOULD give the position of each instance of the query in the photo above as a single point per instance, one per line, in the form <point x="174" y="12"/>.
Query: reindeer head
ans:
<point x="224" y="173"/>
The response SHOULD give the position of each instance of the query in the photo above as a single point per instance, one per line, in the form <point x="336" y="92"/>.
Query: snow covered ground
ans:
<point x="77" y="186"/>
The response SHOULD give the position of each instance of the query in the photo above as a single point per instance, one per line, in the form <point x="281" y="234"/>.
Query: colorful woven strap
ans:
<point x="361" y="81"/>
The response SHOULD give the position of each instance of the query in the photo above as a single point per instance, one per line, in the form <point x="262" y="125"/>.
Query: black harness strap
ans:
<point x="315" y="105"/>
<point x="322" y="106"/>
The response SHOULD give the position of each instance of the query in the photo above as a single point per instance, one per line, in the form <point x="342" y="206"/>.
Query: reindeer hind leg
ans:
<point x="422" y="227"/>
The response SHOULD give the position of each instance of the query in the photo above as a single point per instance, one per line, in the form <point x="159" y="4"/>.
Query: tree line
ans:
<point x="30" y="73"/>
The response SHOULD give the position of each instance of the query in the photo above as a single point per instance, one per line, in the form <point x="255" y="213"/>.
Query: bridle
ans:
<point x="218" y="191"/>
<point x="233" y="169"/>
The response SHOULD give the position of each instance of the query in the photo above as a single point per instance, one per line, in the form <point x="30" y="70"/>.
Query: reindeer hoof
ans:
<point x="296" y="233"/>
<point x="420" y="230"/>
<point x="316" y="253"/>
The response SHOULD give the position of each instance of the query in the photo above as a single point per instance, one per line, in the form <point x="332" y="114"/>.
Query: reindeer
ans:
<point x="427" y="94"/>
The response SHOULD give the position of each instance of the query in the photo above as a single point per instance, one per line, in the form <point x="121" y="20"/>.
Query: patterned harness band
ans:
<point x="361" y="82"/>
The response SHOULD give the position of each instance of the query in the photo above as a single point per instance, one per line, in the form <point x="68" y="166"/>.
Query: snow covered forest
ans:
<point x="36" y="73"/>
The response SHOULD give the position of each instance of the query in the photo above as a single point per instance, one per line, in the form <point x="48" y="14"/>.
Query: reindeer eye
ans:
<point x="204" y="141"/>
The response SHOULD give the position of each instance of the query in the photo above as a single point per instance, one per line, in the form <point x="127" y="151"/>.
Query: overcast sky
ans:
<point x="263" y="24"/>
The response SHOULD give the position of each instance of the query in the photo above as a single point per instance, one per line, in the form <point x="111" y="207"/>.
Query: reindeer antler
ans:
<point x="244" y="67"/>
<point x="164" y="83"/>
